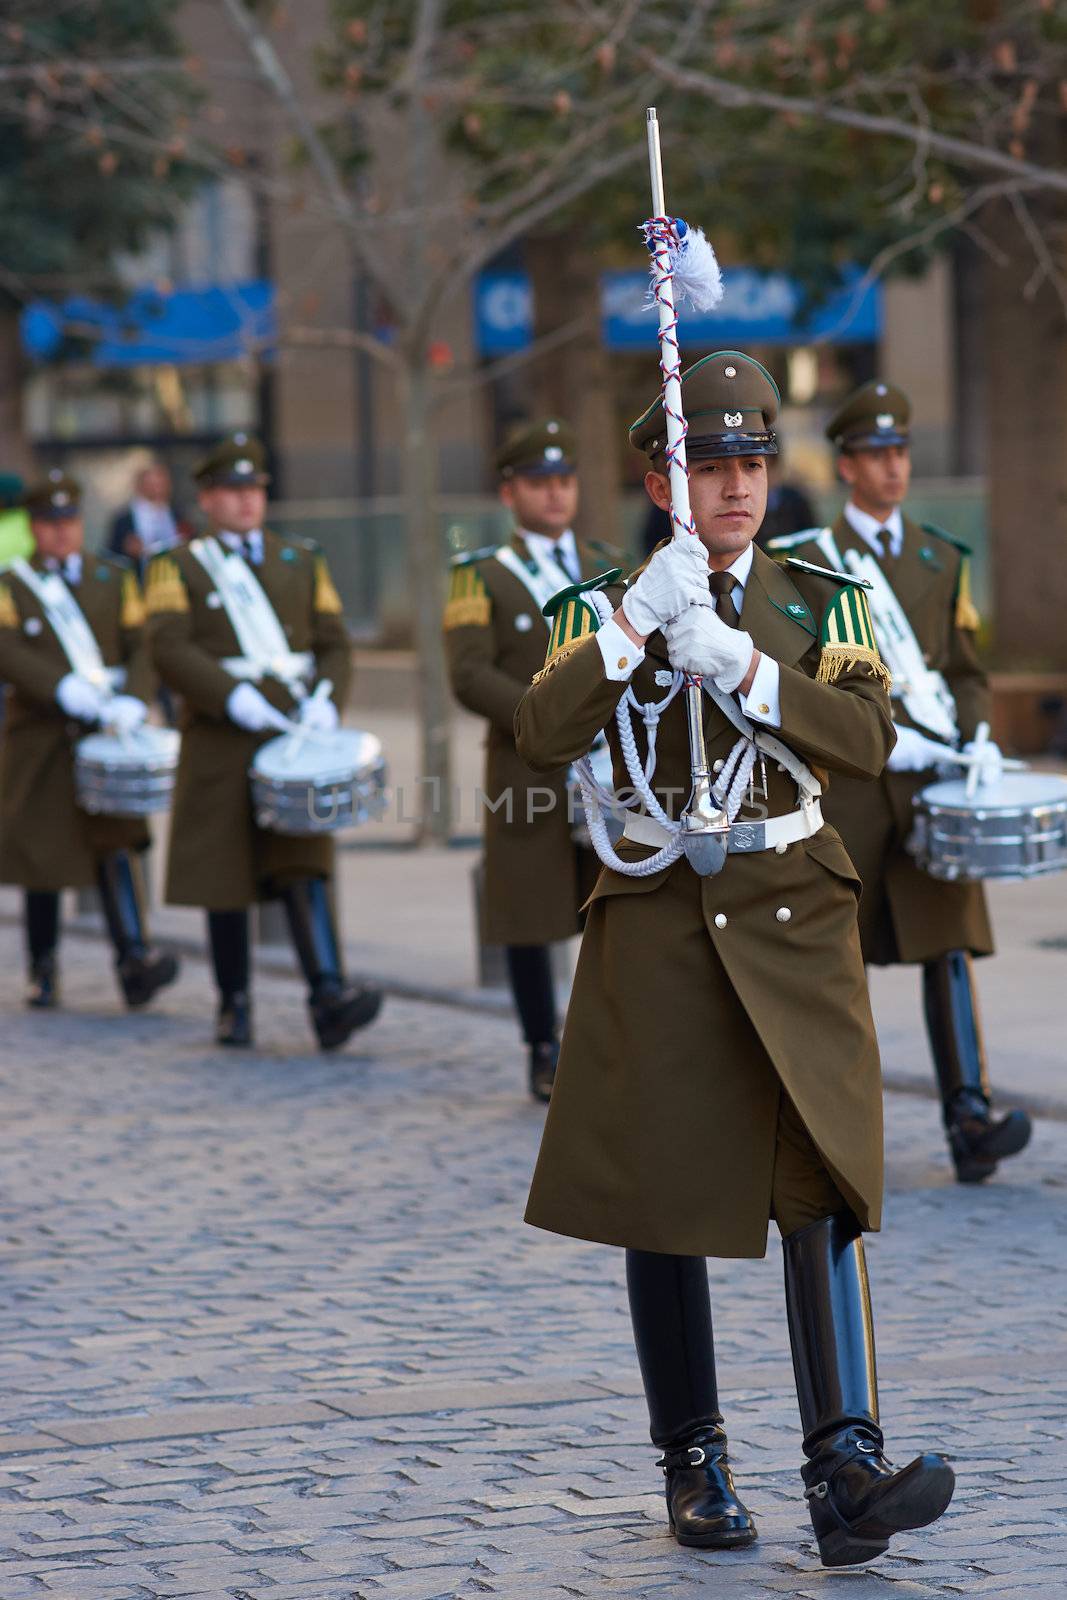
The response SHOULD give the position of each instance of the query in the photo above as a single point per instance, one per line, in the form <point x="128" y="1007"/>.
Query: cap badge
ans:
<point x="243" y="466"/>
<point x="732" y="419"/>
<point x="884" y="419"/>
<point x="60" y="498"/>
<point x="553" y="452"/>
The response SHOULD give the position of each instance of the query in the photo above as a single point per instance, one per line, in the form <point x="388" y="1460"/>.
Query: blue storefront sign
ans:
<point x="221" y="322"/>
<point x="757" y="308"/>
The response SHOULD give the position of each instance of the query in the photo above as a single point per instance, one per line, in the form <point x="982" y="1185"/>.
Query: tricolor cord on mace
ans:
<point x="682" y="256"/>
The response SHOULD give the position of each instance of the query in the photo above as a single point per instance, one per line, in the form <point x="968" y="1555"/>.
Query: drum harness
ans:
<point x="264" y="648"/>
<point x="728" y="790"/>
<point x="67" y="620"/>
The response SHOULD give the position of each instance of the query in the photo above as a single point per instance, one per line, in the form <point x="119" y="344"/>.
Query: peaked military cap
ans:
<point x="873" y="417"/>
<point x="730" y="403"/>
<point x="538" y="450"/>
<point x="54" y="497"/>
<point x="235" y="462"/>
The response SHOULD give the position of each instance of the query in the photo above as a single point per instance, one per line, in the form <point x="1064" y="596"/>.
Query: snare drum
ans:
<point x="316" y="783"/>
<point x="128" y="775"/>
<point x="1016" y="828"/>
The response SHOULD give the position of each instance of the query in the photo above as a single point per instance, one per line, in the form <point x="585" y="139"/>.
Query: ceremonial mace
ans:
<point x="705" y="825"/>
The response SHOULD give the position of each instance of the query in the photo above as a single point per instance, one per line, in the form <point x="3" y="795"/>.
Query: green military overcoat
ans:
<point x="46" y="841"/>
<point x="906" y="915"/>
<point x="697" y="1001"/>
<point x="536" y="877"/>
<point x="219" y="858"/>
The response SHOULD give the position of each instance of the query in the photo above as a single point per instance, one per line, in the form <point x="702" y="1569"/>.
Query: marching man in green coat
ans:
<point x="244" y="625"/>
<point x="940" y="697"/>
<point x="73" y="654"/>
<point x="719" y="1066"/>
<point x="537" y="873"/>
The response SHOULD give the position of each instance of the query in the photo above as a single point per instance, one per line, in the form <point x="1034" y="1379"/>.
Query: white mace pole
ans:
<point x="705" y="827"/>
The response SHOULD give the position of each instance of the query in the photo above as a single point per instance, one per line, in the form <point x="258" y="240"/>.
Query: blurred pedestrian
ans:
<point x="940" y="697"/>
<point x="150" y="523"/>
<point x="72" y="653"/>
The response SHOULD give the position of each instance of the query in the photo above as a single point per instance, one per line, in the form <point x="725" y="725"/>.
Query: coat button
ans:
<point x="720" y="921"/>
<point x="718" y="766"/>
<point x="780" y="849"/>
<point x="783" y="913"/>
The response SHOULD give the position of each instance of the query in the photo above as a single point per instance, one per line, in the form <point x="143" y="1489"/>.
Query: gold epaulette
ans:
<point x="165" y="592"/>
<point x="468" y="604"/>
<point x="573" y="620"/>
<point x="967" y="616"/>
<point x="132" y="613"/>
<point x="847" y="639"/>
<point x="9" y="615"/>
<point x="327" y="601"/>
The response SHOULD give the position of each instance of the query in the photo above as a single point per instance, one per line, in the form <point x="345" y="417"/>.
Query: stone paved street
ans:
<point x="273" y="1330"/>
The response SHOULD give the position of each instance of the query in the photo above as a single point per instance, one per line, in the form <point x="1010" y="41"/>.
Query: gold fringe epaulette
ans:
<point x="9" y="615"/>
<point x="327" y="601"/>
<point x="133" y="612"/>
<point x="847" y="640"/>
<point x="468" y="605"/>
<point x="166" y="592"/>
<point x="560" y="654"/>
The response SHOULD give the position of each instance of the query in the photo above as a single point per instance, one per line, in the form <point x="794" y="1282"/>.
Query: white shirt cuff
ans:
<point x="763" y="703"/>
<point x="620" y="655"/>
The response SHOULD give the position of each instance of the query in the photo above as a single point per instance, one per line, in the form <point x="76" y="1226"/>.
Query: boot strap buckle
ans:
<point x="698" y="1457"/>
<point x="818" y="1492"/>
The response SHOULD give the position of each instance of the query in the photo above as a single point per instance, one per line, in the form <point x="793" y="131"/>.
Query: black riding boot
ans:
<point x="228" y="936"/>
<point x="858" y="1500"/>
<point x="337" y="1008"/>
<point x="671" y="1313"/>
<point x="42" y="939"/>
<point x="142" y="971"/>
<point x="534" y="993"/>
<point x="976" y="1138"/>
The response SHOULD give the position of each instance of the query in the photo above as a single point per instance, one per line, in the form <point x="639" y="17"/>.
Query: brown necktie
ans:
<point x="722" y="586"/>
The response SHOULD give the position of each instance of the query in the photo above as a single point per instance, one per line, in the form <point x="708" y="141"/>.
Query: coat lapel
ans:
<point x="909" y="576"/>
<point x="775" y="613"/>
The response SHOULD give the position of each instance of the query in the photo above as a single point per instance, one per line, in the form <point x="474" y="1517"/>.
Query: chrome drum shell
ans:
<point x="1013" y="830"/>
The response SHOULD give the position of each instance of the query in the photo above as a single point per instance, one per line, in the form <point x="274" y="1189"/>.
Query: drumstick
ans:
<point x="981" y="739"/>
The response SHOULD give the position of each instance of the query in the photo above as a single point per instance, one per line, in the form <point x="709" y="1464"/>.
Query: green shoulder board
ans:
<point x="949" y="538"/>
<point x="826" y="572"/>
<point x="847" y="639"/>
<point x="574" y="617"/>
<point x="790" y="541"/>
<point x="468" y="604"/>
<point x="466" y="557"/>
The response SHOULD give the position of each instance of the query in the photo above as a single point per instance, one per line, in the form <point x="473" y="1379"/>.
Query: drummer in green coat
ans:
<point x="211" y="605"/>
<point x="73" y="656"/>
<point x="941" y="695"/>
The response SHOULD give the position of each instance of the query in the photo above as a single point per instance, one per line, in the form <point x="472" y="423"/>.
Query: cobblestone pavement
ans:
<point x="273" y="1330"/>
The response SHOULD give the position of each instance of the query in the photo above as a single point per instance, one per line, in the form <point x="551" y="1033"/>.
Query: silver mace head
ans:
<point x="705" y="832"/>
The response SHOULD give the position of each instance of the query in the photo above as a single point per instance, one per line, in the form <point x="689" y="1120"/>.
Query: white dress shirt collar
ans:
<point x="69" y="570"/>
<point x="240" y="543"/>
<point x="869" y="528"/>
<point x="541" y="546"/>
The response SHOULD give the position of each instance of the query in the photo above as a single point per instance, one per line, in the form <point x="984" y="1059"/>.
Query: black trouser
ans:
<point x="530" y="973"/>
<point x="670" y="1306"/>
<point x="228" y="934"/>
<point x="41" y="907"/>
<point x="954" y="1028"/>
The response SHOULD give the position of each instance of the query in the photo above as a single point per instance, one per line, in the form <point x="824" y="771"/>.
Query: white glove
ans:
<point x="914" y="752"/>
<point x="319" y="714"/>
<point x="700" y="642"/>
<point x="124" y="713"/>
<point x="675" y="578"/>
<point x="989" y="761"/>
<point x="79" y="698"/>
<point x="250" y="710"/>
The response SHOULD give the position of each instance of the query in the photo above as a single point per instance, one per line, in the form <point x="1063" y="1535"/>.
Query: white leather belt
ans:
<point x="295" y="665"/>
<point x="745" y="837"/>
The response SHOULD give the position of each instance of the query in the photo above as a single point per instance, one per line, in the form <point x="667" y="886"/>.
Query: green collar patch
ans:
<point x="929" y="556"/>
<point x="797" y="612"/>
<point x="288" y="555"/>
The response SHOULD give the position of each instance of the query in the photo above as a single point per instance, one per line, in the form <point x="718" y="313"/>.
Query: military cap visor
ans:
<point x="56" y="498"/>
<point x="237" y="462"/>
<point x="730" y="402"/>
<point x="538" y="450"/>
<point x="874" y="417"/>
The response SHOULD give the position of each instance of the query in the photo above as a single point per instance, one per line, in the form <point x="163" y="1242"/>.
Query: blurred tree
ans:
<point x="94" y="110"/>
